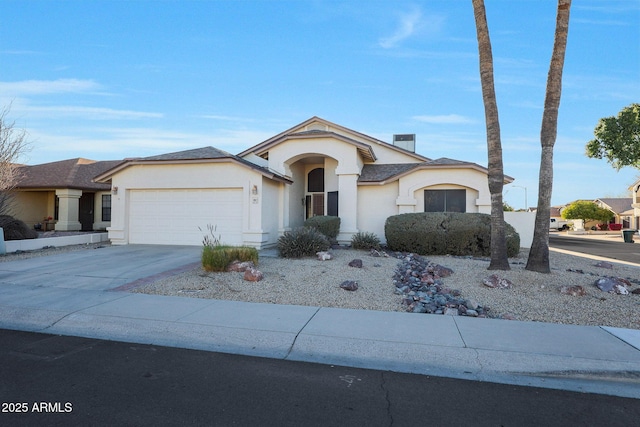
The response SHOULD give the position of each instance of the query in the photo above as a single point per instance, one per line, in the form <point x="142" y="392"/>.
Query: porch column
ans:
<point x="68" y="210"/>
<point x="347" y="206"/>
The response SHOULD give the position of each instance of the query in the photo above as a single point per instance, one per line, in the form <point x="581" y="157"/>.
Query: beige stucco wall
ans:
<point x="98" y="223"/>
<point x="190" y="176"/>
<point x="271" y="195"/>
<point x="375" y="204"/>
<point x="32" y="207"/>
<point x="411" y="195"/>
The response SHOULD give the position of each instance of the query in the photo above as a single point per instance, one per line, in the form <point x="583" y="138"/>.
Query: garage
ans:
<point x="180" y="217"/>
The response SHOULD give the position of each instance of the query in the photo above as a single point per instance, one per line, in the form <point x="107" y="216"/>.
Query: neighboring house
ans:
<point x="621" y="208"/>
<point x="635" y="205"/>
<point x="65" y="192"/>
<point x="314" y="168"/>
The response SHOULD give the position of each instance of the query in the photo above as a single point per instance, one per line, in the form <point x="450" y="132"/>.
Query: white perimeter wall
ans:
<point x="524" y="223"/>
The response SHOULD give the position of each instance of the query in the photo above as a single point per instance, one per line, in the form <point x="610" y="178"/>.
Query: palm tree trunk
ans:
<point x="539" y="253"/>
<point x="499" y="259"/>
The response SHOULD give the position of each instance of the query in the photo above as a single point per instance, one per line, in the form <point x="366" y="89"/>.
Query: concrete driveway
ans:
<point x="98" y="269"/>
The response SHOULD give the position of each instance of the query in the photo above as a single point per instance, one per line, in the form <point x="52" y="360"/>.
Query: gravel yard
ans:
<point x="310" y="282"/>
<point x="533" y="297"/>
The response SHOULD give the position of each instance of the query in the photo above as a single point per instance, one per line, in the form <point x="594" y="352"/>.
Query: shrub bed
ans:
<point x="365" y="240"/>
<point x="445" y="233"/>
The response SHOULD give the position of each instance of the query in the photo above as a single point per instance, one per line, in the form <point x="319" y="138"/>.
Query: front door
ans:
<point x="85" y="213"/>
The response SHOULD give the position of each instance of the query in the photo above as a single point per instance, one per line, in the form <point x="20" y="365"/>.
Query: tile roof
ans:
<point x="195" y="154"/>
<point x="72" y="173"/>
<point x="618" y="204"/>
<point x="376" y="173"/>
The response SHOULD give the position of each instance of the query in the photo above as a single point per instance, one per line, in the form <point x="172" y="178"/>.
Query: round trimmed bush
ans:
<point x="446" y="233"/>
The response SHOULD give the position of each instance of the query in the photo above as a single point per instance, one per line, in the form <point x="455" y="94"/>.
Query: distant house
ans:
<point x="635" y="204"/>
<point x="314" y="168"/>
<point x="621" y="208"/>
<point x="63" y="196"/>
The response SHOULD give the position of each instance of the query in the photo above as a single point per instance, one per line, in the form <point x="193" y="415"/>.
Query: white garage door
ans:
<point x="172" y="217"/>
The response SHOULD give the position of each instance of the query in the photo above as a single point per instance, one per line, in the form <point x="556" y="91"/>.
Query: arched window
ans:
<point x="315" y="181"/>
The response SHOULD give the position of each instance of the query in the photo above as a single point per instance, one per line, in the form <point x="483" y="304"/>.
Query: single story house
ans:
<point x="621" y="208"/>
<point x="314" y="168"/>
<point x="635" y="205"/>
<point x="63" y="196"/>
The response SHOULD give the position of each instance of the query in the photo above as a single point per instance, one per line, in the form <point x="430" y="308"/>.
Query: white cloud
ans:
<point x="91" y="113"/>
<point x="409" y="23"/>
<point x="38" y="87"/>
<point x="444" y="119"/>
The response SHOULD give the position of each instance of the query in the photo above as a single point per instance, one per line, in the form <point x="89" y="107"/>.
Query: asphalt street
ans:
<point x="629" y="252"/>
<point x="55" y="380"/>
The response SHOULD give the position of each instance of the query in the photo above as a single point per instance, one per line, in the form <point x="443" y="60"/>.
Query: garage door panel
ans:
<point x="181" y="217"/>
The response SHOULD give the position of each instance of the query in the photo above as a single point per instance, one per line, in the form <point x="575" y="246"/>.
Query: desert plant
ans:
<point x="300" y="242"/>
<point x="218" y="258"/>
<point x="446" y="233"/>
<point x="327" y="225"/>
<point x="365" y="240"/>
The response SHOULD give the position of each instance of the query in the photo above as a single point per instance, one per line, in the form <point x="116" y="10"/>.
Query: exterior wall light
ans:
<point x="114" y="190"/>
<point x="254" y="190"/>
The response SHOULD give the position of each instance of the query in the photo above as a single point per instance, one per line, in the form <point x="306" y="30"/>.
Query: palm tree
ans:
<point x="539" y="252"/>
<point x="499" y="259"/>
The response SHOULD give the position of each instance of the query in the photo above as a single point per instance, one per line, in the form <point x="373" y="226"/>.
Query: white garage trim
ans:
<point x="180" y="217"/>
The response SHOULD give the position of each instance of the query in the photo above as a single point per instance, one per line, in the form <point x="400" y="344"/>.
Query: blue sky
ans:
<point x="107" y="80"/>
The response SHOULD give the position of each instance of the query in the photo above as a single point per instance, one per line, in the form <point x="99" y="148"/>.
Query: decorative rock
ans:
<point x="376" y="253"/>
<point x="324" y="256"/>
<point x="349" y="285"/>
<point x="574" y="291"/>
<point x="613" y="285"/>
<point x="357" y="263"/>
<point x="604" y="264"/>
<point x="636" y="291"/>
<point x="472" y="313"/>
<point x="495" y="281"/>
<point x="253" y="275"/>
<point x="439" y="270"/>
<point x="471" y="305"/>
<point x="240" y="266"/>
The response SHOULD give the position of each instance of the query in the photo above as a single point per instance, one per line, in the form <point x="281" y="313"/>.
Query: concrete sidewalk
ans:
<point x="53" y="295"/>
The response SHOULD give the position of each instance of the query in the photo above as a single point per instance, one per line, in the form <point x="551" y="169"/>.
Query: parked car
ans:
<point x="558" y="224"/>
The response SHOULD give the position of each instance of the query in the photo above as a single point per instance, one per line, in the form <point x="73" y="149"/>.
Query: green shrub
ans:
<point x="218" y="258"/>
<point x="365" y="240"/>
<point x="327" y="225"/>
<point x="300" y="242"/>
<point x="446" y="233"/>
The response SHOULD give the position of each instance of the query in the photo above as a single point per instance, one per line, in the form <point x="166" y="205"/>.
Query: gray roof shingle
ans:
<point x="72" y="173"/>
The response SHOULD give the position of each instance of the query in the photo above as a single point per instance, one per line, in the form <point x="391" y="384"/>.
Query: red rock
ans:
<point x="253" y="275"/>
<point x="240" y="266"/>
<point x="575" y="291"/>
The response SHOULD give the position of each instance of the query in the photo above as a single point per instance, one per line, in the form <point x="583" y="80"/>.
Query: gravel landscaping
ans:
<point x="310" y="282"/>
<point x="533" y="296"/>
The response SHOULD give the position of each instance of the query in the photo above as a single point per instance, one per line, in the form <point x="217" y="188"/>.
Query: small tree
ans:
<point x="587" y="211"/>
<point x="13" y="144"/>
<point x="617" y="139"/>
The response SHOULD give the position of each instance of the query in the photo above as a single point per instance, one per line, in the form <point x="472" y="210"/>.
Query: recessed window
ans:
<point x="315" y="181"/>
<point x="445" y="201"/>
<point x="106" y="207"/>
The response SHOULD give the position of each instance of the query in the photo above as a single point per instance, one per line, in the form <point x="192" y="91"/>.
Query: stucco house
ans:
<point x="63" y="196"/>
<point x="314" y="168"/>
<point x="621" y="208"/>
<point x="635" y="205"/>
